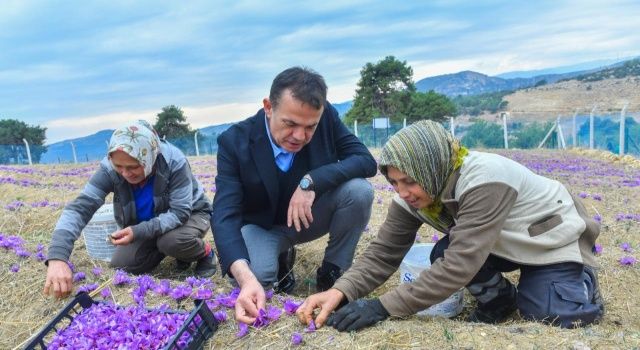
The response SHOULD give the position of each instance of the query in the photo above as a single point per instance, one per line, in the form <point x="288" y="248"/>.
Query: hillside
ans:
<point x="564" y="97"/>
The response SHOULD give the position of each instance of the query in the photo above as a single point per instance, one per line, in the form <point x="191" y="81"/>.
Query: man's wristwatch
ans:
<point x="306" y="183"/>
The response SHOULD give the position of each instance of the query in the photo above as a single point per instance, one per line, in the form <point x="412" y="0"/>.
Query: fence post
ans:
<point x="404" y="123"/>
<point x="452" y="127"/>
<point x="547" y="136"/>
<point x="561" y="143"/>
<point x="504" y="128"/>
<point x="28" y="150"/>
<point x="355" y="127"/>
<point x="195" y="140"/>
<point x="73" y="149"/>
<point x="622" y="136"/>
<point x="593" y="110"/>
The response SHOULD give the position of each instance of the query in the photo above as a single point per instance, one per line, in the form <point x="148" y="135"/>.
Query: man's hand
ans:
<point x="325" y="301"/>
<point x="300" y="209"/>
<point x="358" y="314"/>
<point x="59" y="282"/>
<point x="122" y="237"/>
<point x="251" y="298"/>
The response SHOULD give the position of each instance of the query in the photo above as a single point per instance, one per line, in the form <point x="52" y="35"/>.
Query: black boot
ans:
<point x="497" y="309"/>
<point x="326" y="276"/>
<point x="206" y="266"/>
<point x="286" y="280"/>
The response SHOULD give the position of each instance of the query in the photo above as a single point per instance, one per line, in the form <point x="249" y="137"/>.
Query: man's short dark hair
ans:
<point x="306" y="86"/>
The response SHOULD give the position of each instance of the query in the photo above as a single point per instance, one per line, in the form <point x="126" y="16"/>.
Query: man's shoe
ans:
<point x="326" y="276"/>
<point x="182" y="265"/>
<point x="498" y="309"/>
<point x="206" y="267"/>
<point x="286" y="279"/>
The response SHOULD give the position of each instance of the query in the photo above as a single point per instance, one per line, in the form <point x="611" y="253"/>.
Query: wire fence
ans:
<point x="474" y="132"/>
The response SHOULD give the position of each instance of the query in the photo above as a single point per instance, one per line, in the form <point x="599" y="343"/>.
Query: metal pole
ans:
<point x="452" y="127"/>
<point x="28" y="150"/>
<point x="547" y="136"/>
<point x="622" y="121"/>
<point x="561" y="143"/>
<point x="593" y="110"/>
<point x="73" y="149"/>
<point x="195" y="140"/>
<point x="573" y="131"/>
<point x="355" y="127"/>
<point x="504" y="128"/>
<point x="404" y="123"/>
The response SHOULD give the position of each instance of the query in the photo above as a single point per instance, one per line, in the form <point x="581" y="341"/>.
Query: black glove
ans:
<point x="358" y="314"/>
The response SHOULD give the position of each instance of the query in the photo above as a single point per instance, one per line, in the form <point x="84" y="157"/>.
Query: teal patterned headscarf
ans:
<point x="428" y="154"/>
<point x="139" y="140"/>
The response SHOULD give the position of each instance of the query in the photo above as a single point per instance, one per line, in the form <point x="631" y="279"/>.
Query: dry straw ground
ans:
<point x="606" y="181"/>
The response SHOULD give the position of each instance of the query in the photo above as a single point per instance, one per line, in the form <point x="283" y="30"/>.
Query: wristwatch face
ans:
<point x="305" y="184"/>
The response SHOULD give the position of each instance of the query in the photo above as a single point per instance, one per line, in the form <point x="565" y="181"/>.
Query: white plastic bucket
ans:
<point x="416" y="261"/>
<point x="96" y="233"/>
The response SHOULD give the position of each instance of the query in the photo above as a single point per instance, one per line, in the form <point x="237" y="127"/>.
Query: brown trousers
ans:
<point x="184" y="243"/>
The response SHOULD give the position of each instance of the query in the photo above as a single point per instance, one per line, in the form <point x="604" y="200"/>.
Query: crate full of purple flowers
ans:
<point x="89" y="324"/>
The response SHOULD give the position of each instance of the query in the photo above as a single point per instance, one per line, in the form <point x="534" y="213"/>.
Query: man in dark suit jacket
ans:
<point x="290" y="174"/>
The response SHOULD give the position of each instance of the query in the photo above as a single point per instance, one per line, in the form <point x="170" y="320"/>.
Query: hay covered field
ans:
<point x="32" y="198"/>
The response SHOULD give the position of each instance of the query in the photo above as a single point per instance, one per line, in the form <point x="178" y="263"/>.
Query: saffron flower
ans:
<point x="105" y="293"/>
<point x="243" y="330"/>
<point x="203" y="294"/>
<point x="291" y="306"/>
<point x="221" y="316"/>
<point x="626" y="247"/>
<point x="79" y="276"/>
<point x="627" y="260"/>
<point x="273" y="313"/>
<point x="296" y="338"/>
<point x="262" y="320"/>
<point x="97" y="271"/>
<point x="180" y="292"/>
<point x="121" y="278"/>
<point x="87" y="288"/>
<point x="162" y="288"/>
<point x="311" y="327"/>
<point x="14" y="268"/>
<point x="435" y="238"/>
<point x="597" y="249"/>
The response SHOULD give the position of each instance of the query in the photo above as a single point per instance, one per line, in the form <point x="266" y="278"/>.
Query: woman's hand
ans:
<point x="325" y="301"/>
<point x="59" y="282"/>
<point x="122" y="237"/>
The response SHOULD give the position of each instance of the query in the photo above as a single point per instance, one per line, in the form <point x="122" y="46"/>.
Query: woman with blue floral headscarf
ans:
<point x="160" y="206"/>
<point x="496" y="216"/>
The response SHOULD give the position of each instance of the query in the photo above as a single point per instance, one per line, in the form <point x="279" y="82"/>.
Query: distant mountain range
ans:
<point x="464" y="83"/>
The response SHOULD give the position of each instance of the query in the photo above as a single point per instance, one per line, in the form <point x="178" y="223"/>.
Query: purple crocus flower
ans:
<point x="87" y="288"/>
<point x="203" y="294"/>
<point x="296" y="338"/>
<point x="22" y="253"/>
<point x="583" y="195"/>
<point x="221" y="316"/>
<point x="290" y="306"/>
<point x="627" y="260"/>
<point x="97" y="271"/>
<point x="262" y="320"/>
<point x="626" y="247"/>
<point x="72" y="267"/>
<point x="597" y="197"/>
<point x="40" y="256"/>
<point x="597" y="218"/>
<point x="163" y="288"/>
<point x="180" y="292"/>
<point x="105" y="293"/>
<point x="243" y="330"/>
<point x="121" y="278"/>
<point x="14" y="268"/>
<point x="435" y="238"/>
<point x="311" y="327"/>
<point x="273" y="313"/>
<point x="597" y="249"/>
<point x="269" y="294"/>
<point x="79" y="276"/>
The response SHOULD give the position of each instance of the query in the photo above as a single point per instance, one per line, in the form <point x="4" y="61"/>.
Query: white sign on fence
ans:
<point x="381" y="123"/>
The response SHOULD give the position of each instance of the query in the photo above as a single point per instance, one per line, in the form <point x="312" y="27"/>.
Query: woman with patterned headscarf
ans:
<point x="496" y="216"/>
<point x="160" y="206"/>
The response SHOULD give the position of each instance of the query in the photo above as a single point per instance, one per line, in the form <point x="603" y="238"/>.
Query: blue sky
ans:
<point x="78" y="67"/>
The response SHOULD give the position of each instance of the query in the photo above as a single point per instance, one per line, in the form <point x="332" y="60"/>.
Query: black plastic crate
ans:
<point x="199" y="333"/>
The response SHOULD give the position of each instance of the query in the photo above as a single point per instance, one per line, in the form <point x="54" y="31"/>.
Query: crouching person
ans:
<point x="497" y="216"/>
<point x="160" y="206"/>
